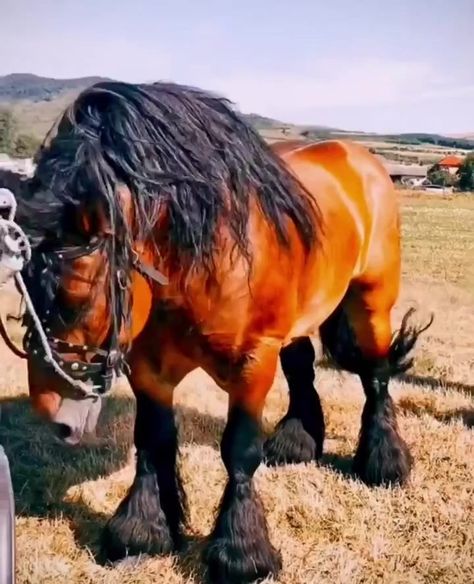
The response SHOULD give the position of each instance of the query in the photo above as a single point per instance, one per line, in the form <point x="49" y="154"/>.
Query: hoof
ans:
<point x="232" y="563"/>
<point x="239" y="550"/>
<point x="291" y="444"/>
<point x="384" y="460"/>
<point x="133" y="536"/>
<point x="139" y="525"/>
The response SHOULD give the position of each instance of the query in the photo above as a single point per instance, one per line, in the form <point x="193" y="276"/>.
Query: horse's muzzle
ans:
<point x="76" y="417"/>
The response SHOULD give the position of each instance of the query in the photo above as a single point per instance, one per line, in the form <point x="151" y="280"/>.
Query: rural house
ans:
<point x="412" y="175"/>
<point x="451" y="164"/>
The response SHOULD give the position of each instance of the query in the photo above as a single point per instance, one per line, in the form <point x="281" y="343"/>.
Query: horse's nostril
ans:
<point x="63" y="431"/>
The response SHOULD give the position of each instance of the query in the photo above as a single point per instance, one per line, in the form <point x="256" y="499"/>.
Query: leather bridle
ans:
<point x="88" y="377"/>
<point x="91" y="376"/>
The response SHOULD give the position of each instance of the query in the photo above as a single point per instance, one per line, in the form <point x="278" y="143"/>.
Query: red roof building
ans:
<point x="451" y="163"/>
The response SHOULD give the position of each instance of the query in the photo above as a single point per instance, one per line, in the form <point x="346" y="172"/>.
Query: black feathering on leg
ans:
<point x="290" y="444"/>
<point x="151" y="516"/>
<point x="382" y="456"/>
<point x="299" y="435"/>
<point x="139" y="524"/>
<point x="239" y="548"/>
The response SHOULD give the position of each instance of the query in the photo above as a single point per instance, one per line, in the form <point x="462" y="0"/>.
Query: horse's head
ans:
<point x="90" y="302"/>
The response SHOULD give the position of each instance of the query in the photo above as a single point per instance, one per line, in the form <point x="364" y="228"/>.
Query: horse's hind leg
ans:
<point x="358" y="337"/>
<point x="299" y="435"/>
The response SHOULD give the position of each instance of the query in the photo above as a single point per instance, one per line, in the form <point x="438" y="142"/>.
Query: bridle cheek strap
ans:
<point x="150" y="272"/>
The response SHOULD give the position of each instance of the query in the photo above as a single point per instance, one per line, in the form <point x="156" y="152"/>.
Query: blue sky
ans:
<point x="402" y="65"/>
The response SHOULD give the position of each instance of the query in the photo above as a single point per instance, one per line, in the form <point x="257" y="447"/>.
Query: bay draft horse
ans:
<point x="168" y="236"/>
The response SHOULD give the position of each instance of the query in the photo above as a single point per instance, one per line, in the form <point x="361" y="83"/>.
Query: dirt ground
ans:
<point x="328" y="526"/>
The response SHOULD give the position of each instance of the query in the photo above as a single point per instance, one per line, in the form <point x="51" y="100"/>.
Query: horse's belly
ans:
<point x="325" y="283"/>
<point x="315" y="313"/>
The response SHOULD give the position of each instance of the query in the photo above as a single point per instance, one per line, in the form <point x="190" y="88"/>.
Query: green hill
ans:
<point x="36" y="103"/>
<point x="25" y="86"/>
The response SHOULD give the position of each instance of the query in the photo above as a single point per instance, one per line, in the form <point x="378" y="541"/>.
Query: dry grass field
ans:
<point x="329" y="527"/>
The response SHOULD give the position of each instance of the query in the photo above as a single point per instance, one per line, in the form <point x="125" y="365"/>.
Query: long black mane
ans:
<point x="175" y="147"/>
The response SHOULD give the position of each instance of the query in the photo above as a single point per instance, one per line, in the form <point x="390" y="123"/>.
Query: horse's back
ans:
<point x="363" y="187"/>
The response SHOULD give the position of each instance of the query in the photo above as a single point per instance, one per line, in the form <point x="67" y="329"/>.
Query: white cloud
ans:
<point x="339" y="84"/>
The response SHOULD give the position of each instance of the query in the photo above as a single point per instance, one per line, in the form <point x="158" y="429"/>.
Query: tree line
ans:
<point x="13" y="142"/>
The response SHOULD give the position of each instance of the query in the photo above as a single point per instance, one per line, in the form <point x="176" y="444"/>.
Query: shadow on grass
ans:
<point x="433" y="383"/>
<point x="43" y="470"/>
<point x="427" y="382"/>
<point x="411" y="406"/>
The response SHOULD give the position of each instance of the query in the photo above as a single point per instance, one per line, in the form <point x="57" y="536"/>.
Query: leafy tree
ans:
<point x="438" y="176"/>
<point x="466" y="174"/>
<point x="25" y="146"/>
<point x="7" y="131"/>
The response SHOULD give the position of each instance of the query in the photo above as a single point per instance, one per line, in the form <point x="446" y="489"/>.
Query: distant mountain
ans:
<point x="37" y="102"/>
<point x="26" y="86"/>
<point x="265" y="123"/>
<point x="262" y="122"/>
<point x="465" y="136"/>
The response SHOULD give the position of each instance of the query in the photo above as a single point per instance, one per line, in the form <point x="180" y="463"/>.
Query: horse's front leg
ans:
<point x="150" y="517"/>
<point x="239" y="548"/>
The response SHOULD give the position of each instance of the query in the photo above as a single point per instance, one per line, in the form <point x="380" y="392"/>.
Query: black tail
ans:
<point x="404" y="340"/>
<point x="341" y="350"/>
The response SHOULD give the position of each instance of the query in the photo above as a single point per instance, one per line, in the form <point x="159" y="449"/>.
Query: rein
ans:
<point x="15" y="253"/>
